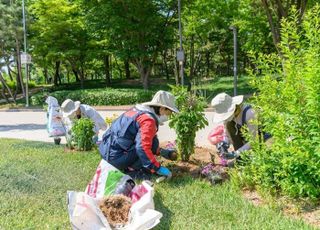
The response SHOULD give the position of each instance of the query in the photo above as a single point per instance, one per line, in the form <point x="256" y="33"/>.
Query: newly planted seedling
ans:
<point x="188" y="121"/>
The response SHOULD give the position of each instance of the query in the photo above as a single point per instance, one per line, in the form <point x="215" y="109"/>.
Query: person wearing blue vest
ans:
<point x="234" y="114"/>
<point x="131" y="143"/>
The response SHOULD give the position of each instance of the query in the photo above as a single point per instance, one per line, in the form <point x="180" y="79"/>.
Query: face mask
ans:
<point x="163" y="118"/>
<point x="78" y="116"/>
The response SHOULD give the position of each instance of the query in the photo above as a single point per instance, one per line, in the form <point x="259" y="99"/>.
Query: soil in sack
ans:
<point x="116" y="209"/>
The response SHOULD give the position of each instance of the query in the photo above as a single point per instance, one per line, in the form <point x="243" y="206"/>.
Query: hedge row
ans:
<point x="13" y="84"/>
<point x="107" y="96"/>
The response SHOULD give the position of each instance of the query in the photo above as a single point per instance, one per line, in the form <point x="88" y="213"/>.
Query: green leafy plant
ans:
<point x="82" y="133"/>
<point x="93" y="97"/>
<point x="289" y="108"/>
<point x="186" y="123"/>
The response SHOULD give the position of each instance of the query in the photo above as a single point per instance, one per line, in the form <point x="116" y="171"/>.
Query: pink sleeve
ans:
<point x="216" y="135"/>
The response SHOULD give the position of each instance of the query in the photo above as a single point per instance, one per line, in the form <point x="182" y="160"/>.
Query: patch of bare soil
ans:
<point x="201" y="158"/>
<point x="253" y="197"/>
<point x="312" y="216"/>
<point x="308" y="213"/>
<point x="70" y="150"/>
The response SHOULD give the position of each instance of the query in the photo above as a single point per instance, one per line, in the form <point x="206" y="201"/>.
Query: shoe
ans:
<point x="139" y="175"/>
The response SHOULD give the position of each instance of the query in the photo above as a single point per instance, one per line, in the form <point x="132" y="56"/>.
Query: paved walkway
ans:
<point x="30" y="124"/>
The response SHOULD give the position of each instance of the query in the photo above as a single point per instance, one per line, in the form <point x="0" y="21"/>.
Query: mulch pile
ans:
<point x="116" y="209"/>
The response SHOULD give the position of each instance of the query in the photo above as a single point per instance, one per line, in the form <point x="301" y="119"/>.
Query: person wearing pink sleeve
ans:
<point x="131" y="143"/>
<point x="234" y="114"/>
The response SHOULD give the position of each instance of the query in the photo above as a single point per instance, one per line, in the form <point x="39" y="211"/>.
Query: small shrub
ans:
<point x="186" y="123"/>
<point x="82" y="133"/>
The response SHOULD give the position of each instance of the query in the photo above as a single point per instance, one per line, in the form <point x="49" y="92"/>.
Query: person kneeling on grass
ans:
<point x="131" y="143"/>
<point x="75" y="110"/>
<point x="234" y="114"/>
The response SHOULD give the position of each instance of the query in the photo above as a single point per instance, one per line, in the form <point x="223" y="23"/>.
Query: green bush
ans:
<point x="94" y="97"/>
<point x="12" y="84"/>
<point x="188" y="121"/>
<point x="82" y="133"/>
<point x="289" y="106"/>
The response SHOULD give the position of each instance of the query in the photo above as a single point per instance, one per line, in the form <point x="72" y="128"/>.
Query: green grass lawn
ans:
<point x="34" y="178"/>
<point x="210" y="88"/>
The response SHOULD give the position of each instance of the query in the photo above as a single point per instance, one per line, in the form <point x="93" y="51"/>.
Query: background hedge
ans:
<point x="107" y="96"/>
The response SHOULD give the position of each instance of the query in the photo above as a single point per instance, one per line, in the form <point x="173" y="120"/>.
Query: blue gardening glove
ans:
<point x="231" y="155"/>
<point x="170" y="154"/>
<point x="163" y="171"/>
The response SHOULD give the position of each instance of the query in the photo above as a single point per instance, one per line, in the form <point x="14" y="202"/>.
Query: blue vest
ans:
<point x="121" y="136"/>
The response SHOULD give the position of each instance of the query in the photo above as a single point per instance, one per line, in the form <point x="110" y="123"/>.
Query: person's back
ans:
<point x="131" y="134"/>
<point x="91" y="113"/>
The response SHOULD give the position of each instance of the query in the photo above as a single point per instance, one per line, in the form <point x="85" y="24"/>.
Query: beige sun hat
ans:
<point x="69" y="106"/>
<point x="224" y="106"/>
<point x="164" y="99"/>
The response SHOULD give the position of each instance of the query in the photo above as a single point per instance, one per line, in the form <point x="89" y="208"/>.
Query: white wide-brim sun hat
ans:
<point x="224" y="106"/>
<point x="68" y="107"/>
<point x="163" y="99"/>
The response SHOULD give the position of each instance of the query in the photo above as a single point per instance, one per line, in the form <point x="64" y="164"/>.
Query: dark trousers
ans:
<point x="131" y="159"/>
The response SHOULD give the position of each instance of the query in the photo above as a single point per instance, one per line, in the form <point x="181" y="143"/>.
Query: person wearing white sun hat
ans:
<point x="72" y="110"/>
<point x="234" y="114"/>
<point x="131" y="143"/>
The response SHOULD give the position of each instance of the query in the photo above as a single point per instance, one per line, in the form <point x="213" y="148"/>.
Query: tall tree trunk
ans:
<point x="75" y="73"/>
<point x="208" y="62"/>
<point x="82" y="76"/>
<point x="118" y="67"/>
<point x="45" y="74"/>
<point x="144" y="71"/>
<point x="10" y="73"/>
<point x="5" y="86"/>
<point x="4" y="95"/>
<point x="19" y="72"/>
<point x="275" y="28"/>
<point x="191" y="73"/>
<point x="106" y="60"/>
<point x="7" y="60"/>
<point x="68" y="76"/>
<point x="57" y="73"/>
<point x="127" y="69"/>
<point x="175" y="68"/>
<point x="275" y="11"/>
<point x="166" y="69"/>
